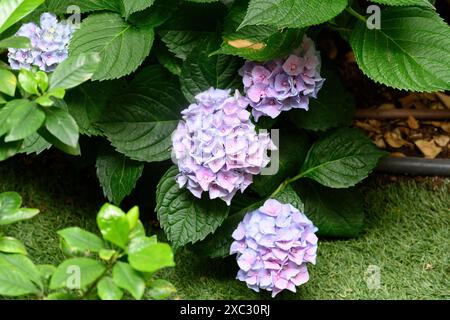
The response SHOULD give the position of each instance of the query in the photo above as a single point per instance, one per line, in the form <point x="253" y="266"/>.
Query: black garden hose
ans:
<point x="394" y="114"/>
<point x="415" y="166"/>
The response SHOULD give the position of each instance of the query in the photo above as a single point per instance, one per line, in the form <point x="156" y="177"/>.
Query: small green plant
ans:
<point x="124" y="259"/>
<point x="17" y="271"/>
<point x="37" y="115"/>
<point x="11" y="212"/>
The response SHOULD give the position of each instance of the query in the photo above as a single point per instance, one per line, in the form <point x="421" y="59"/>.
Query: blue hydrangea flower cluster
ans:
<point x="216" y="146"/>
<point x="281" y="85"/>
<point x="273" y="245"/>
<point x="49" y="44"/>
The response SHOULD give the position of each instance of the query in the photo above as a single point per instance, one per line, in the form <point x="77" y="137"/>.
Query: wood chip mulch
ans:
<point x="411" y="136"/>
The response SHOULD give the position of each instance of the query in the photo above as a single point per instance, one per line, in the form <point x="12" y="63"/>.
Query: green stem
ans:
<point x="339" y="29"/>
<point x="108" y="269"/>
<point x="355" y="14"/>
<point x="285" y="183"/>
<point x="93" y="285"/>
<point x="280" y="188"/>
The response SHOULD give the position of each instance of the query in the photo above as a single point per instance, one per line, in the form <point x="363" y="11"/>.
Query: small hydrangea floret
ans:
<point x="273" y="245"/>
<point x="49" y="44"/>
<point x="283" y="84"/>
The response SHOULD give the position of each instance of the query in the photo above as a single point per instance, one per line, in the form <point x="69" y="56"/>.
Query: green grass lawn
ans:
<point x="407" y="237"/>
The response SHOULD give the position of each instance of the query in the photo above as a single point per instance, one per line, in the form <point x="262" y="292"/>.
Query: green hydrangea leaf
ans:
<point x="341" y="159"/>
<point x="292" y="13"/>
<point x="184" y="218"/>
<point x="140" y="122"/>
<point x="122" y="46"/>
<point x="409" y="52"/>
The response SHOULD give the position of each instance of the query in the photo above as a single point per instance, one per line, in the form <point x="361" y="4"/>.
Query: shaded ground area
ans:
<point x="407" y="238"/>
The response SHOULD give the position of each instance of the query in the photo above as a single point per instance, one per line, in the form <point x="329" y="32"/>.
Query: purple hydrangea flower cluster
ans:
<point x="281" y="85"/>
<point x="216" y="146"/>
<point x="49" y="44"/>
<point x="273" y="245"/>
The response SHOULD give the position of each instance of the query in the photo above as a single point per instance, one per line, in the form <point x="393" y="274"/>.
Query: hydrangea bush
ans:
<point x="255" y="119"/>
